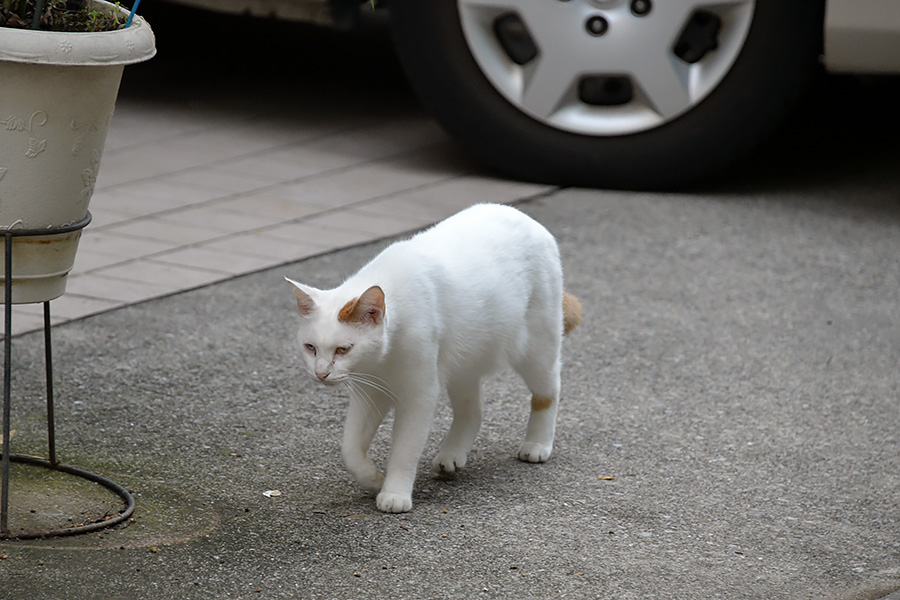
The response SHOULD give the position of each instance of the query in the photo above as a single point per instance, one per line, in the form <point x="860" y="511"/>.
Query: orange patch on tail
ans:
<point x="571" y="312"/>
<point x="539" y="403"/>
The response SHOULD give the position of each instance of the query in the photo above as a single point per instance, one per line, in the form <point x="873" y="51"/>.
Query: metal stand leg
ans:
<point x="7" y="369"/>
<point x="53" y="463"/>
<point x="48" y="362"/>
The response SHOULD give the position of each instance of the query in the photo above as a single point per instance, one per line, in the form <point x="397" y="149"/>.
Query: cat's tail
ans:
<point x="571" y="312"/>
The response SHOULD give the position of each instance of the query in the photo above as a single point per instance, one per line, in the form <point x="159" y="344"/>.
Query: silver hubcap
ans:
<point x="605" y="67"/>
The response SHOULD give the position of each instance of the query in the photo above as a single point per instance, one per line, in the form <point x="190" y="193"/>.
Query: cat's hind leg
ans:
<point x="540" y="370"/>
<point x="465" y="399"/>
<point x="367" y="410"/>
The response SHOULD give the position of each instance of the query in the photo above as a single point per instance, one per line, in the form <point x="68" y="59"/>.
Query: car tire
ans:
<point x="462" y="73"/>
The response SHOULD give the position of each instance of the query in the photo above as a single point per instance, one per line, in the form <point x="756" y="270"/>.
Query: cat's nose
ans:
<point x="323" y="370"/>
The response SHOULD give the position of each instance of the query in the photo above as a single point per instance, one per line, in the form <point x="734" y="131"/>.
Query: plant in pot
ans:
<point x="61" y="63"/>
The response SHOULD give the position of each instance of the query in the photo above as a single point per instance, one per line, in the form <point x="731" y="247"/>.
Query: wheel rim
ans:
<point x="605" y="67"/>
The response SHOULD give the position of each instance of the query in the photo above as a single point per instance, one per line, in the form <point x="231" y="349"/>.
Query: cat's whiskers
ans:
<point x="358" y="393"/>
<point x="375" y="383"/>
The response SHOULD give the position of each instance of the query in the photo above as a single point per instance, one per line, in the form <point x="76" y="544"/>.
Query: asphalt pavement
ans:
<point x="728" y="428"/>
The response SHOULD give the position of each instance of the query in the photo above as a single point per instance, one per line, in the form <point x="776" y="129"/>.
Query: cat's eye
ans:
<point x="342" y="350"/>
<point x="310" y="348"/>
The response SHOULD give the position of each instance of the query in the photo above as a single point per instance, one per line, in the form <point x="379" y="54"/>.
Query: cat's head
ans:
<point x="339" y="335"/>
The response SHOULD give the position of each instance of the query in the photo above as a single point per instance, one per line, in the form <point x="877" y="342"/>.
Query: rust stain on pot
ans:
<point x="34" y="241"/>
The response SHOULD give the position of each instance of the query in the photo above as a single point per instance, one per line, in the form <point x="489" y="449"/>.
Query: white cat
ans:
<point x="480" y="291"/>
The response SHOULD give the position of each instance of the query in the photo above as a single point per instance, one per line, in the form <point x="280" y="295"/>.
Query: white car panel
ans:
<point x="862" y="36"/>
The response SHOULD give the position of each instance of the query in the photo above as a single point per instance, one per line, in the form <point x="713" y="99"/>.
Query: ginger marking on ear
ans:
<point x="368" y="309"/>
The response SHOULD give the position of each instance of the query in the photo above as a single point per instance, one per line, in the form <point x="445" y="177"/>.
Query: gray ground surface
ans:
<point x="736" y="374"/>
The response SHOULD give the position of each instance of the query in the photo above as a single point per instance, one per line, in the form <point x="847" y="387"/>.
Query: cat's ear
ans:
<point x="368" y="309"/>
<point x="305" y="303"/>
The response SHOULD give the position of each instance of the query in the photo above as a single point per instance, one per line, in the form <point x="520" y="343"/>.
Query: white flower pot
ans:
<point x="57" y="95"/>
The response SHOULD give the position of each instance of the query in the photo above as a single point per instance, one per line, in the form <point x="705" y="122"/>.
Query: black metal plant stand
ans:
<point x="52" y="462"/>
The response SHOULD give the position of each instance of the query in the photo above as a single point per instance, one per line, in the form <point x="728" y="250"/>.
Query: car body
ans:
<point x="862" y="36"/>
<point x="615" y="93"/>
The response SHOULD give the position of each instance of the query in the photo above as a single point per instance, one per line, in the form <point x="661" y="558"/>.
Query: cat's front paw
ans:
<point x="393" y="503"/>
<point x="534" y="453"/>
<point x="365" y="473"/>
<point x="371" y="481"/>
